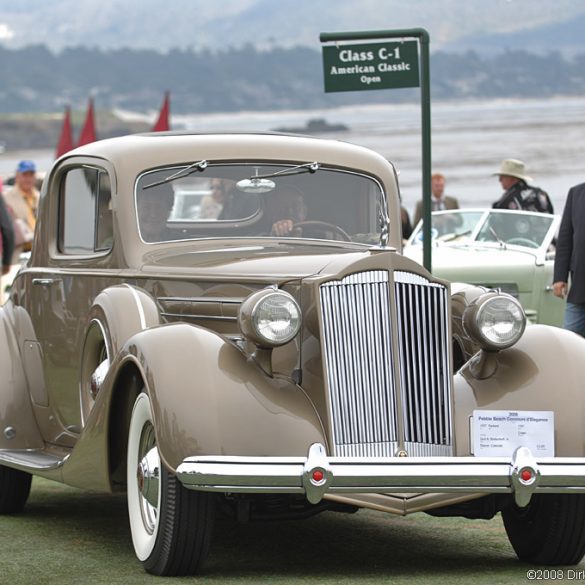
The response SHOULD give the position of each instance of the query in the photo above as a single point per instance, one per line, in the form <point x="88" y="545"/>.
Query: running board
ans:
<point x="31" y="459"/>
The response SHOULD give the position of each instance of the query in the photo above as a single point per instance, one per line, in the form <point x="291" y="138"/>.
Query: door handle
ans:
<point x="44" y="281"/>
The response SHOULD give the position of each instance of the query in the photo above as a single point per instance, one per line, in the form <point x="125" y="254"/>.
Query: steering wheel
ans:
<point x="324" y="227"/>
<point x="522" y="242"/>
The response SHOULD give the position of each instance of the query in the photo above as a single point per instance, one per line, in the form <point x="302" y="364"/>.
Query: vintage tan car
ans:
<point x="275" y="358"/>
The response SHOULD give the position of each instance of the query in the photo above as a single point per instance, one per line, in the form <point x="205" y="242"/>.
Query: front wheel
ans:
<point x="549" y="531"/>
<point x="14" y="489"/>
<point x="171" y="526"/>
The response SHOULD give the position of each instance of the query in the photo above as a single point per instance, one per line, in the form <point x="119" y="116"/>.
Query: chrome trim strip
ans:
<point x="372" y="475"/>
<point x="226" y="300"/>
<point x="205" y="317"/>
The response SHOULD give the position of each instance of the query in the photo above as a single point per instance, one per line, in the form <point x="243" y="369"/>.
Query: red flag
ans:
<point x="162" y="124"/>
<point x="65" y="143"/>
<point x="88" y="131"/>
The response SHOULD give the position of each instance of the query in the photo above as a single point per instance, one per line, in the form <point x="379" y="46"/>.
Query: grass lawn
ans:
<point x="70" y="537"/>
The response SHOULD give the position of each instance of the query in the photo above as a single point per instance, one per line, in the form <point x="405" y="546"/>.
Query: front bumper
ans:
<point x="317" y="474"/>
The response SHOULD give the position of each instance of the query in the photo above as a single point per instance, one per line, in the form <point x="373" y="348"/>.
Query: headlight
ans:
<point x="270" y="318"/>
<point x="496" y="321"/>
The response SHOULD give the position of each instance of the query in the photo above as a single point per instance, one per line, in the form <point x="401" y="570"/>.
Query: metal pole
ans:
<point x="425" y="89"/>
<point x="425" y="104"/>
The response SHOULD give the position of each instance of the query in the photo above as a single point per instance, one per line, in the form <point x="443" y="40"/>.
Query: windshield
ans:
<point x="258" y="200"/>
<point x="514" y="228"/>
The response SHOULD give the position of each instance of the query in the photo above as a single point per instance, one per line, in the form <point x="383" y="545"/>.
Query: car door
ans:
<point x="61" y="294"/>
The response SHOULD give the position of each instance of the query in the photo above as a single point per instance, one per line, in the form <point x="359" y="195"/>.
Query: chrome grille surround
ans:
<point x="388" y="390"/>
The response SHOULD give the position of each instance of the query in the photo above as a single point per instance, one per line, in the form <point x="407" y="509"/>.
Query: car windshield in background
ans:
<point x="259" y="200"/>
<point x="502" y="227"/>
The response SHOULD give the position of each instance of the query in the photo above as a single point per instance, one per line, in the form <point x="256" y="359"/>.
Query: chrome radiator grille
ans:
<point x="374" y="411"/>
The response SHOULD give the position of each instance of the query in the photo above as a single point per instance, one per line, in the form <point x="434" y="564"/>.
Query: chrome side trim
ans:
<point x="372" y="475"/>
<point x="227" y="300"/>
<point x="193" y="316"/>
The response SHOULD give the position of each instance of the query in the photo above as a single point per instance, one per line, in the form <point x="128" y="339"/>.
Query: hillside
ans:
<point x="209" y="24"/>
<point x="252" y="79"/>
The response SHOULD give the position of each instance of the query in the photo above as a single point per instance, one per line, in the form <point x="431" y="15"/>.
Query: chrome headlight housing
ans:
<point x="496" y="321"/>
<point x="270" y="318"/>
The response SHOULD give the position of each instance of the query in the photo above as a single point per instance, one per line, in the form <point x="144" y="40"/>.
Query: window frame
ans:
<point x="61" y="250"/>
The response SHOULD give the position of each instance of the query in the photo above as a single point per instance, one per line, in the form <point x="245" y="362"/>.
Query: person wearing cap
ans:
<point x="7" y="235"/>
<point x="518" y="194"/>
<point x="570" y="260"/>
<point x="23" y="199"/>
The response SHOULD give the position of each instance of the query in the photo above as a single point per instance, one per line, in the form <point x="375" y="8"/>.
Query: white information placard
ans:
<point x="497" y="433"/>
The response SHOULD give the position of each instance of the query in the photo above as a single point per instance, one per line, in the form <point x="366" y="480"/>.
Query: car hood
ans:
<point x="480" y="264"/>
<point x="275" y="261"/>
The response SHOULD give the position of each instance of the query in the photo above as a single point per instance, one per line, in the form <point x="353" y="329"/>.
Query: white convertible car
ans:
<point x="510" y="250"/>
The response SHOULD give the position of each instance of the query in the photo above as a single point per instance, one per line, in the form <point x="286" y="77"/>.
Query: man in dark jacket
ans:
<point x="570" y="260"/>
<point x="518" y="194"/>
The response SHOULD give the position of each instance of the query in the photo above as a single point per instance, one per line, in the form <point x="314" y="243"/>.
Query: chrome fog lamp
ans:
<point x="270" y="318"/>
<point x="497" y="321"/>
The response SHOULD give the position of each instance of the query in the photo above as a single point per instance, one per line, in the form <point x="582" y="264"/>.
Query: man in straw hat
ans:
<point x="518" y="194"/>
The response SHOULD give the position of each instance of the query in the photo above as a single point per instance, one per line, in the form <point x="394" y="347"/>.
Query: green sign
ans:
<point x="371" y="66"/>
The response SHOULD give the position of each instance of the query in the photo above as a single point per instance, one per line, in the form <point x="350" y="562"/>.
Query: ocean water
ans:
<point x="469" y="141"/>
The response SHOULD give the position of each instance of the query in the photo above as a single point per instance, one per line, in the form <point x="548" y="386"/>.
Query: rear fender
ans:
<point x="18" y="426"/>
<point x="545" y="370"/>
<point x="208" y="398"/>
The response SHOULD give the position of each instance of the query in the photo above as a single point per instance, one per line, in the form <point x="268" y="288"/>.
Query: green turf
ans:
<point x="70" y="537"/>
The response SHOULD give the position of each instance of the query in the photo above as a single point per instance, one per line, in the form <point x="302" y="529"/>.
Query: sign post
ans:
<point x="386" y="65"/>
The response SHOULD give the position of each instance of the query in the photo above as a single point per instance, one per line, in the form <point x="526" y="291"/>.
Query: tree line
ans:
<point x="36" y="79"/>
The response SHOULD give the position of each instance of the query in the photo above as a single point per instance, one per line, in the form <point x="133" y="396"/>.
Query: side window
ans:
<point x="85" y="212"/>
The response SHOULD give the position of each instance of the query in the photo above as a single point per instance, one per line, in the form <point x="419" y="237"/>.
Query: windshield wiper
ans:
<point x="200" y="165"/>
<point x="304" y="168"/>
<point x="495" y="234"/>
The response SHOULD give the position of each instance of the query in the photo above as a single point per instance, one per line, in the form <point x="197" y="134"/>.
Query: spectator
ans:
<point x="439" y="201"/>
<point x="154" y="207"/>
<point x="212" y="205"/>
<point x="405" y="220"/>
<point x="518" y="194"/>
<point x="23" y="199"/>
<point x="570" y="260"/>
<point x="7" y="235"/>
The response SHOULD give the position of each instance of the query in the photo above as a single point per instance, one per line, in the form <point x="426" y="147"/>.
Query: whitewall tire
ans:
<point x="170" y="525"/>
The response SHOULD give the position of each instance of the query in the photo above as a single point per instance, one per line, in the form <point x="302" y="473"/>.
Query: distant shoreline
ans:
<point x="40" y="131"/>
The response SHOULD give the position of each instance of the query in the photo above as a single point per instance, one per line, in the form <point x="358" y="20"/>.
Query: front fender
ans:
<point x="545" y="370"/>
<point x="122" y="311"/>
<point x="208" y="398"/>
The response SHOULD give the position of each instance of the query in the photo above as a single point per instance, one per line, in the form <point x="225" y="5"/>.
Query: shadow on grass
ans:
<point x="66" y="535"/>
